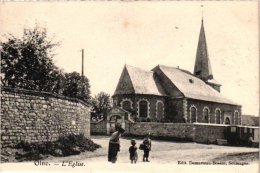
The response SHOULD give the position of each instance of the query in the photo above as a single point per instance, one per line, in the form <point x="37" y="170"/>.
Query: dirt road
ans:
<point x="165" y="157"/>
<point x="171" y="152"/>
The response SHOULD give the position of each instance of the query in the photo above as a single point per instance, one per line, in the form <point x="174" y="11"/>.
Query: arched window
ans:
<point x="143" y="109"/>
<point x="218" y="117"/>
<point x="159" y="110"/>
<point x="206" y="115"/>
<point x="227" y="120"/>
<point x="126" y="105"/>
<point x="193" y="114"/>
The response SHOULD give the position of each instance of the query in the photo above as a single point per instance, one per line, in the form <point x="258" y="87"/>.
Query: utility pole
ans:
<point x="82" y="74"/>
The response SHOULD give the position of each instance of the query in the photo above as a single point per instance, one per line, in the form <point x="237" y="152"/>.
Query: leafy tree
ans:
<point x="59" y="82"/>
<point x="27" y="62"/>
<point x="76" y="87"/>
<point x="101" y="104"/>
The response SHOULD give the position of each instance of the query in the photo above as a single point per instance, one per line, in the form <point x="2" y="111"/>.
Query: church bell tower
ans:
<point x="202" y="67"/>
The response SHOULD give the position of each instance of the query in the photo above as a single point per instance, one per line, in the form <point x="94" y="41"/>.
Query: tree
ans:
<point x="27" y="62"/>
<point x="77" y="87"/>
<point x="101" y="104"/>
<point x="59" y="82"/>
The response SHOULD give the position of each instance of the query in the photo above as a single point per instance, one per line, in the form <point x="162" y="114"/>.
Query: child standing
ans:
<point x="133" y="151"/>
<point x="147" y="147"/>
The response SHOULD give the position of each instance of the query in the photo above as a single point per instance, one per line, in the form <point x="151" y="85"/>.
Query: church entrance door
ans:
<point x="227" y="121"/>
<point x="115" y="116"/>
<point x="114" y="119"/>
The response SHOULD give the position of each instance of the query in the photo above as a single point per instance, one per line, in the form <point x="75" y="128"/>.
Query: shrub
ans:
<point x="64" y="146"/>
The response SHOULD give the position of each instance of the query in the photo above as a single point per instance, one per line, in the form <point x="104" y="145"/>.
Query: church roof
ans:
<point x="202" y="67"/>
<point x="191" y="86"/>
<point x="135" y="80"/>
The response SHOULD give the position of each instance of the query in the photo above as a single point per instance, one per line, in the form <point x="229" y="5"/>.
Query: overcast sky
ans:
<point x="145" y="34"/>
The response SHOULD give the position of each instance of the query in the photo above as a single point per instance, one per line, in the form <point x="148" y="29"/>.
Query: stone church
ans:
<point x="170" y="94"/>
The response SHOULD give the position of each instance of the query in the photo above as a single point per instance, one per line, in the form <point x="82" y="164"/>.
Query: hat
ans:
<point x="133" y="141"/>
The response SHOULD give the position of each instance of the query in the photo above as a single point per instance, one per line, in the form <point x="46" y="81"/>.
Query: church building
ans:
<point x="170" y="94"/>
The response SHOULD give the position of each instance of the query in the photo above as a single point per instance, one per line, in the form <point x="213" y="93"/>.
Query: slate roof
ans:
<point x="193" y="87"/>
<point x="145" y="82"/>
<point x="142" y="82"/>
<point x="249" y="120"/>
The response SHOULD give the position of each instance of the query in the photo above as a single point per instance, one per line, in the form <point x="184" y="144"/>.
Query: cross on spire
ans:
<point x="201" y="12"/>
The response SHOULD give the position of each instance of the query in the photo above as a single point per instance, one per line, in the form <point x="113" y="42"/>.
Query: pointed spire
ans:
<point x="202" y="12"/>
<point x="202" y="67"/>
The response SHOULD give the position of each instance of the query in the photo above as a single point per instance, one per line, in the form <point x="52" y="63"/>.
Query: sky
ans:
<point x="145" y="34"/>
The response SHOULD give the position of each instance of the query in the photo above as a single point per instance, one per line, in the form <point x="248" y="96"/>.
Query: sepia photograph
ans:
<point x="129" y="86"/>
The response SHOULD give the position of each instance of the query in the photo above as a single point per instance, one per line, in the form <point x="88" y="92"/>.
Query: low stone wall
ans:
<point x="197" y="132"/>
<point x="170" y="130"/>
<point x="209" y="133"/>
<point x="39" y="116"/>
<point x="98" y="128"/>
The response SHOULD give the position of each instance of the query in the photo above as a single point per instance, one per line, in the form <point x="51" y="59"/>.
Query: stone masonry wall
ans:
<point x="98" y="128"/>
<point x="196" y="132"/>
<point x="171" y="130"/>
<point x="200" y="105"/>
<point x="174" y="111"/>
<point x="39" y="116"/>
<point x="206" y="133"/>
<point x="152" y="100"/>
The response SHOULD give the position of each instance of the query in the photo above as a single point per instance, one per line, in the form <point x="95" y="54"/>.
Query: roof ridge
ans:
<point x="180" y="69"/>
<point x="139" y="68"/>
<point x="183" y="84"/>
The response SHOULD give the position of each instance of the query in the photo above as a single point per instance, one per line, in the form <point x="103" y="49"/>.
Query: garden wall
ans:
<point x="98" y="128"/>
<point x="170" y="130"/>
<point x="40" y="116"/>
<point x="209" y="133"/>
<point x="196" y="132"/>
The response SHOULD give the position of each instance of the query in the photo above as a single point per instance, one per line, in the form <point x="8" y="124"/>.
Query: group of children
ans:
<point x="114" y="146"/>
<point x="145" y="146"/>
